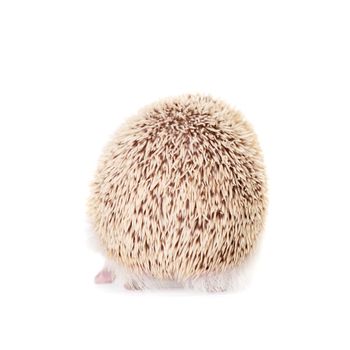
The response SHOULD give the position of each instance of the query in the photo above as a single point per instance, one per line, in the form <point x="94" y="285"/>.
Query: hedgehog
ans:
<point x="179" y="196"/>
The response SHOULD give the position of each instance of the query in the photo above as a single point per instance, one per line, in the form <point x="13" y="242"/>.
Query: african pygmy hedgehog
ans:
<point x="179" y="195"/>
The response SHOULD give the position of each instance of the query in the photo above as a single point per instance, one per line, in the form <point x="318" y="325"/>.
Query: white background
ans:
<point x="71" y="71"/>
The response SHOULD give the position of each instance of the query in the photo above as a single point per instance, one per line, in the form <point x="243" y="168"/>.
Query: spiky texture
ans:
<point x="180" y="190"/>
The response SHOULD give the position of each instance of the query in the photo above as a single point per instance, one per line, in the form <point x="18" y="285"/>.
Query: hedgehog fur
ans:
<point x="180" y="190"/>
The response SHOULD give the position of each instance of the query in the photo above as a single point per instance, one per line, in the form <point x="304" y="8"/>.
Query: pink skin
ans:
<point x="104" y="276"/>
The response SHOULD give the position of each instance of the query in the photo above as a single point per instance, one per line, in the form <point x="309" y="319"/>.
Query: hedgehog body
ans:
<point x="180" y="190"/>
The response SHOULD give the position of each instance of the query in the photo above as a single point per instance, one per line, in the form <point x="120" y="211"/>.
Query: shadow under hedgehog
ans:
<point x="179" y="196"/>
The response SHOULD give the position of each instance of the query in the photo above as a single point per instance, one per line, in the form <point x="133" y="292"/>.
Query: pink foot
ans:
<point x="104" y="276"/>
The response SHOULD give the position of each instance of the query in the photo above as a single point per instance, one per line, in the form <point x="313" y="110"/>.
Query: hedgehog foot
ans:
<point x="105" y="276"/>
<point x="214" y="287"/>
<point x="212" y="284"/>
<point x="134" y="284"/>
